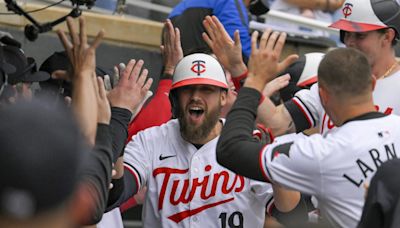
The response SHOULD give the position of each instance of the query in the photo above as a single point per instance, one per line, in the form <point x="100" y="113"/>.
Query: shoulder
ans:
<point x="157" y="133"/>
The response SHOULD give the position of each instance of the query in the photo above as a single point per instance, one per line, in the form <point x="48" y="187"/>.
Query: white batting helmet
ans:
<point x="369" y="15"/>
<point x="199" y="69"/>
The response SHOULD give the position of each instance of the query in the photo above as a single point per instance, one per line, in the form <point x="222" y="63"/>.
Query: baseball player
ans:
<point x="186" y="187"/>
<point x="334" y="167"/>
<point x="370" y="26"/>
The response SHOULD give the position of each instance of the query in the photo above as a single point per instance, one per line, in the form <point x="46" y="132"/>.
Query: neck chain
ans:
<point x="389" y="71"/>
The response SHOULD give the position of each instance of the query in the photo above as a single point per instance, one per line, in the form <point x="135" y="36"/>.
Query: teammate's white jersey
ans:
<point x="334" y="167"/>
<point x="386" y="99"/>
<point x="186" y="187"/>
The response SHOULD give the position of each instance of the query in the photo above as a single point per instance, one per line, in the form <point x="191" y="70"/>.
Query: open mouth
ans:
<point x="196" y="111"/>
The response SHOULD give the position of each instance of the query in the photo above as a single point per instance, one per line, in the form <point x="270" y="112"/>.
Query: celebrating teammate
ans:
<point x="177" y="162"/>
<point x="332" y="168"/>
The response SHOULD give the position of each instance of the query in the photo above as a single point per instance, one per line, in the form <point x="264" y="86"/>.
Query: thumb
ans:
<point x="60" y="75"/>
<point x="236" y="37"/>
<point x="288" y="61"/>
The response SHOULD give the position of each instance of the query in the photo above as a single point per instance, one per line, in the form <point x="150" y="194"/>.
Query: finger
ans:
<point x="219" y="26"/>
<point x="136" y="71"/>
<point x="280" y="44"/>
<point x="254" y="37"/>
<point x="207" y="39"/>
<point x="64" y="40"/>
<point x="210" y="29"/>
<point x="102" y="90"/>
<point x="236" y="36"/>
<point x="98" y="39"/>
<point x="264" y="39"/>
<point x="162" y="49"/>
<point x="60" y="75"/>
<point x="272" y="41"/>
<point x="68" y="101"/>
<point x="82" y="31"/>
<point x="122" y="67"/>
<point x="124" y="77"/>
<point x="178" y="38"/>
<point x="72" y="31"/>
<point x="142" y="78"/>
<point x="147" y="85"/>
<point x="288" y="61"/>
<point x="107" y="82"/>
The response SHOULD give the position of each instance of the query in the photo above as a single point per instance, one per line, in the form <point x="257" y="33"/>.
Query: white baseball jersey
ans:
<point x="386" y="98"/>
<point x="334" y="167"/>
<point x="186" y="187"/>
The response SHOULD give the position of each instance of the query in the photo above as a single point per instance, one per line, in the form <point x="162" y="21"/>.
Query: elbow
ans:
<point x="222" y="152"/>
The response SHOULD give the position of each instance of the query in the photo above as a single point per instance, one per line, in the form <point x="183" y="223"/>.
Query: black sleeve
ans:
<point x="237" y="150"/>
<point x="299" y="214"/>
<point x="120" y="118"/>
<point x="123" y="189"/>
<point x="97" y="171"/>
<point x="300" y="120"/>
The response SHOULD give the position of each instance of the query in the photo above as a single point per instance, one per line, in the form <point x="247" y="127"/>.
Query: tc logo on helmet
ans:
<point x="198" y="67"/>
<point x="347" y="9"/>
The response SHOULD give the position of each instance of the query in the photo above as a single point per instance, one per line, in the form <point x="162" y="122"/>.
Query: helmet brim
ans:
<point x="350" y="26"/>
<point x="199" y="81"/>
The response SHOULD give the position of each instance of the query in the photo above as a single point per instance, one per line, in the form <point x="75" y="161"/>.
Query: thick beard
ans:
<point x="192" y="133"/>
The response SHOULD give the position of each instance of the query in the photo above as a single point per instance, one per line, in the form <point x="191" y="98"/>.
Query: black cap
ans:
<point x="60" y="61"/>
<point x="303" y="74"/>
<point x="41" y="155"/>
<point x="25" y="67"/>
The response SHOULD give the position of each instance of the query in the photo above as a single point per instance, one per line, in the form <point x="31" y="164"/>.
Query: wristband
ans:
<point x="238" y="81"/>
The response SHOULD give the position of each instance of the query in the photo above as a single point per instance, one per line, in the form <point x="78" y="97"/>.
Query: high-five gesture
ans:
<point x="132" y="87"/>
<point x="264" y="64"/>
<point x="81" y="54"/>
<point x="228" y="52"/>
<point x="172" y="49"/>
<point x="83" y="77"/>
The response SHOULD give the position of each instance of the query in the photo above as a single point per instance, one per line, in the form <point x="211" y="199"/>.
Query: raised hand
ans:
<point x="81" y="54"/>
<point x="264" y="63"/>
<point x="276" y="84"/>
<point x="227" y="51"/>
<point x="132" y="87"/>
<point x="104" y="113"/>
<point x="172" y="48"/>
<point x="83" y="60"/>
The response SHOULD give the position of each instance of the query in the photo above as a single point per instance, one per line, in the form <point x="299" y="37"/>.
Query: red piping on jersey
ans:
<point x="260" y="159"/>
<point x="184" y="214"/>
<point x="303" y="111"/>
<point x="323" y="123"/>
<point x="270" y="207"/>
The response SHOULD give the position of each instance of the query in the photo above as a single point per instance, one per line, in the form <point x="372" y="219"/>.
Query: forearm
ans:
<point x="97" y="173"/>
<point x="84" y="105"/>
<point x="120" y="118"/>
<point x="290" y="207"/>
<point x="327" y="5"/>
<point x="123" y="188"/>
<point x="285" y="200"/>
<point x="237" y="149"/>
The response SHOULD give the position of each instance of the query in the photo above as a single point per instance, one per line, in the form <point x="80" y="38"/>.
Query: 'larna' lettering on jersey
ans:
<point x="375" y="155"/>
<point x="191" y="186"/>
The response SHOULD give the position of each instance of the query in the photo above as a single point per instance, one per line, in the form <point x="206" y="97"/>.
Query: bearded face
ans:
<point x="199" y="111"/>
